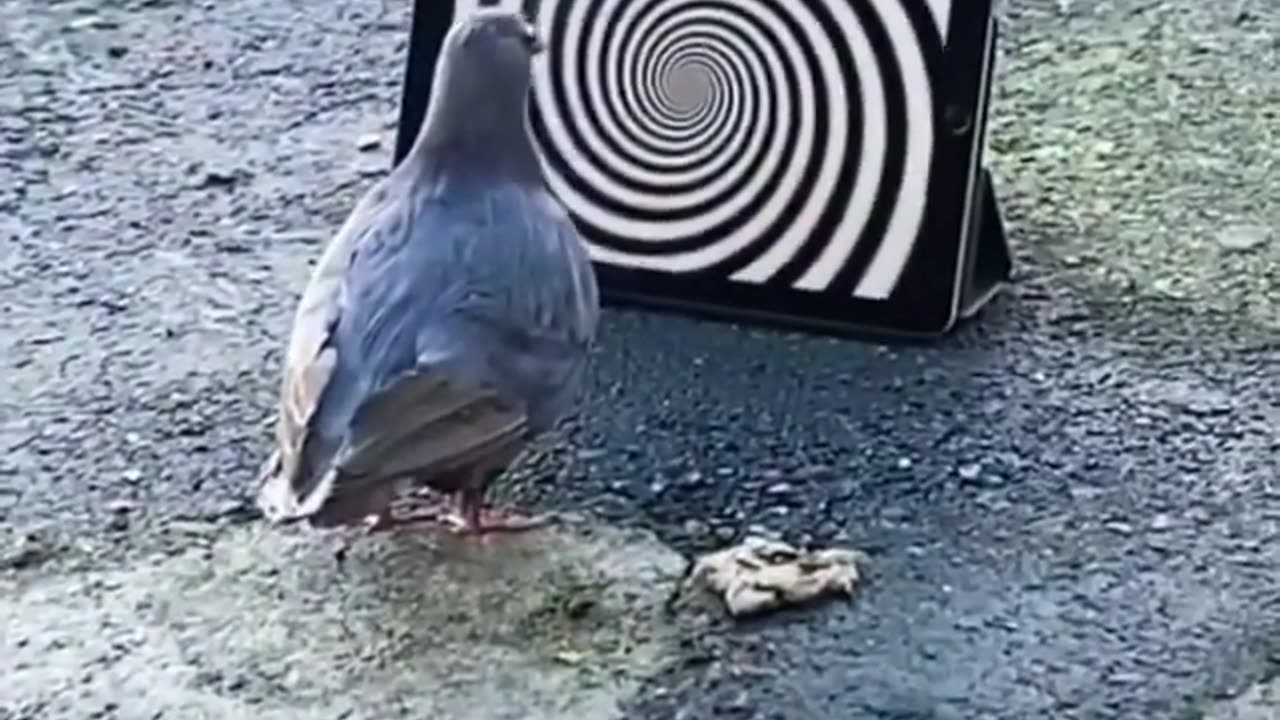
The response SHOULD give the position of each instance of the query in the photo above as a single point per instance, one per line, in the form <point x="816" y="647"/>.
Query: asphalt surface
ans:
<point x="1071" y="506"/>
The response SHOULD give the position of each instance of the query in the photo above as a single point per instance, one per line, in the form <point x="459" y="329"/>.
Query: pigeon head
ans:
<point x="502" y="40"/>
<point x="479" y="100"/>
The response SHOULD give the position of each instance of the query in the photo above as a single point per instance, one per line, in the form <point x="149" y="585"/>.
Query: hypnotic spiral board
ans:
<point x="772" y="158"/>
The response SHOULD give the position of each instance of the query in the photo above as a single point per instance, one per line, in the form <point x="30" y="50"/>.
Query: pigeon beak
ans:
<point x="533" y="40"/>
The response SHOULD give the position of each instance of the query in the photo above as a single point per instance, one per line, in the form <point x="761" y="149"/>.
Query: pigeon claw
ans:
<point x="492" y="522"/>
<point x="408" y="514"/>
<point x="473" y="518"/>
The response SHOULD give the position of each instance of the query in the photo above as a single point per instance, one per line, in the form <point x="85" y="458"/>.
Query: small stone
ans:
<point x="368" y="141"/>
<point x="1117" y="526"/>
<point x="813" y="472"/>
<point x="1167" y="287"/>
<point x="120" y="507"/>
<point x="232" y="247"/>
<point x="92" y="22"/>
<point x="904" y="463"/>
<point x="301" y="236"/>
<point x="1243" y="237"/>
<point x="1126" y="678"/>
<point x="780" y="488"/>
<point x="970" y="472"/>
<point x="696" y="528"/>
<point x="190" y="528"/>
<point x="234" y="508"/>
<point x="568" y="657"/>
<point x="724" y="533"/>
<point x="1161" y="522"/>
<point x="131" y="475"/>
<point x="45" y="338"/>
<point x="27" y="552"/>
<point x="217" y="176"/>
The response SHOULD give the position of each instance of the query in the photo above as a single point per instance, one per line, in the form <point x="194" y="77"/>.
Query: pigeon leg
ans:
<point x="423" y="514"/>
<point x="415" y="512"/>
<point x="473" y="518"/>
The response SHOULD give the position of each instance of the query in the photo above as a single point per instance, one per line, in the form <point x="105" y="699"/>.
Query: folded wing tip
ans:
<point x="278" y="501"/>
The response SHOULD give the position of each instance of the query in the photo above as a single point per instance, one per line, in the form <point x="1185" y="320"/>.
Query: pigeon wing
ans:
<point x="310" y="359"/>
<point x="474" y="337"/>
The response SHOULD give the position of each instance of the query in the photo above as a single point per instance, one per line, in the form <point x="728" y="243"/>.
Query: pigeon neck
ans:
<point x="479" y="132"/>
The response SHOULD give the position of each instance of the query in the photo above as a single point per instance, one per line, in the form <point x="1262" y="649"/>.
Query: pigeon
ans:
<point x="449" y="321"/>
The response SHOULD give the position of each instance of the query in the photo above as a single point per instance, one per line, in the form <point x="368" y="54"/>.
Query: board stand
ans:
<point x="990" y="263"/>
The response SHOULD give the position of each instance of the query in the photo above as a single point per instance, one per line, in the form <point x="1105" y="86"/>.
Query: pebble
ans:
<point x="969" y="472"/>
<point x="301" y="236"/>
<point x="696" y="528"/>
<point x="368" y="141"/>
<point x="26" y="552"/>
<point x="232" y="246"/>
<point x="811" y="472"/>
<point x="234" y="508"/>
<point x="92" y="22"/>
<point x="762" y="531"/>
<point x="1243" y="237"/>
<point x="569" y="657"/>
<point x="220" y="176"/>
<point x="1126" y="678"/>
<point x="45" y="338"/>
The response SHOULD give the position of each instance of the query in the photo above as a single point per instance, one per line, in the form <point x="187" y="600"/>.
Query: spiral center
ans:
<point x="690" y="87"/>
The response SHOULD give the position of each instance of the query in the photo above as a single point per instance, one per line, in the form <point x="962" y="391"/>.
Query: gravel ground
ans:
<point x="1071" y="506"/>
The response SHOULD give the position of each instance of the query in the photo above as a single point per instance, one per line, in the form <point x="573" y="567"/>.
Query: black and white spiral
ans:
<point x="769" y="141"/>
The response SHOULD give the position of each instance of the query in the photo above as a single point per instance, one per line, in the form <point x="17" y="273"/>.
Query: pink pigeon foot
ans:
<point x="417" y="514"/>
<point x="414" y="513"/>
<point x="472" y="518"/>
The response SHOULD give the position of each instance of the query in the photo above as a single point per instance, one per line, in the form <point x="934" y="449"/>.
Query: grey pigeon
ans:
<point x="447" y="323"/>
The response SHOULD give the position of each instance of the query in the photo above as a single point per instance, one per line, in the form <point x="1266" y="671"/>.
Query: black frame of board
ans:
<point x="957" y="265"/>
